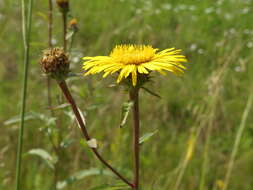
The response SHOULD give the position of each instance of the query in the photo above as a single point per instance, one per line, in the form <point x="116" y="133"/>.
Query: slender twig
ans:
<point x="64" y="19"/>
<point x="26" y="30"/>
<point x="49" y="97"/>
<point x="50" y="27"/>
<point x="50" y="22"/>
<point x="82" y="125"/>
<point x="237" y="141"/>
<point x="134" y="96"/>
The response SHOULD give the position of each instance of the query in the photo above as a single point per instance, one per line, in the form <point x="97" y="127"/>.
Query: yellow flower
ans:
<point x="134" y="60"/>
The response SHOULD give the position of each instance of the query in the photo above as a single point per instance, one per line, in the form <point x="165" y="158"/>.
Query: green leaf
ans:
<point x="146" y="136"/>
<point x="126" y="107"/>
<point x="70" y="34"/>
<point x="30" y="116"/>
<point x="44" y="155"/>
<point x="151" y="92"/>
<point x="61" y="106"/>
<point x="82" y="174"/>
<point x="66" y="142"/>
<point x="42" y="15"/>
<point x="16" y="119"/>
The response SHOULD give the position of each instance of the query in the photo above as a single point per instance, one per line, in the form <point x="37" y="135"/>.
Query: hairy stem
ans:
<point x="134" y="96"/>
<point x="26" y="30"/>
<point x="82" y="125"/>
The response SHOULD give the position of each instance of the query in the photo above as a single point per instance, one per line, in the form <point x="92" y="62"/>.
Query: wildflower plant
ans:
<point x="133" y="65"/>
<point x="55" y="64"/>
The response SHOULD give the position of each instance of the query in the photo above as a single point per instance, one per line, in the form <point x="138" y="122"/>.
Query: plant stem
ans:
<point x="64" y="19"/>
<point x="49" y="97"/>
<point x="50" y="28"/>
<point x="134" y="96"/>
<point x="50" y="22"/>
<point x="26" y="30"/>
<point x="82" y="125"/>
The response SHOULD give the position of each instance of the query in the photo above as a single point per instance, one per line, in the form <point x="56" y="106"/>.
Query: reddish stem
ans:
<point x="82" y="125"/>
<point x="134" y="96"/>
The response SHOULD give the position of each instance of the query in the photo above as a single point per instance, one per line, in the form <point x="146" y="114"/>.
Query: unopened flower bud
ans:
<point x="63" y="5"/>
<point x="55" y="63"/>
<point x="73" y="24"/>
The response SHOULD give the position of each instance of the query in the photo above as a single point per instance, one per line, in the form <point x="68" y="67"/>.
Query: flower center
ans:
<point x="133" y="54"/>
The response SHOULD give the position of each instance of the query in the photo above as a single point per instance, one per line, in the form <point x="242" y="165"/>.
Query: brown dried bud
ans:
<point x="63" y="5"/>
<point x="55" y="62"/>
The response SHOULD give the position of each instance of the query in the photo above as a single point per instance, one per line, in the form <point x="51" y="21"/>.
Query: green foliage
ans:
<point x="81" y="175"/>
<point x="44" y="155"/>
<point x="211" y="34"/>
<point x="126" y="107"/>
<point x="146" y="137"/>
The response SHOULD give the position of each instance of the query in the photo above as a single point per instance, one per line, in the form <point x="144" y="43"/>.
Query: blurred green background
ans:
<point x="201" y="110"/>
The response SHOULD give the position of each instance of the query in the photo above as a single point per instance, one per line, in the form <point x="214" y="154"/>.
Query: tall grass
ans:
<point x="26" y="30"/>
<point x="237" y="141"/>
<point x="207" y="31"/>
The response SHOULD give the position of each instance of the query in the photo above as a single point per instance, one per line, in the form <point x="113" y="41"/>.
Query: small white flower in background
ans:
<point x="200" y="51"/>
<point x="76" y="59"/>
<point x="157" y="11"/>
<point x="193" y="47"/>
<point x="245" y="10"/>
<point x="228" y="16"/>
<point x="167" y="6"/>
<point x="192" y="8"/>
<point x="209" y="10"/>
<point x="218" y="11"/>
<point x="220" y="2"/>
<point x="138" y="11"/>
<point x="182" y="7"/>
<point x="250" y="44"/>
<point x="54" y="41"/>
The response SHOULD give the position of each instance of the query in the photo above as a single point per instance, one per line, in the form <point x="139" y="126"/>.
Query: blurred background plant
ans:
<point x="197" y="118"/>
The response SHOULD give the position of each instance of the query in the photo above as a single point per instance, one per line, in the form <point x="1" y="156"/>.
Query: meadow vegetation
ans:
<point x="196" y="120"/>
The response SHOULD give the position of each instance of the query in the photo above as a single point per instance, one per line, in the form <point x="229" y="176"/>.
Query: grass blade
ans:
<point x="237" y="141"/>
<point x="26" y="29"/>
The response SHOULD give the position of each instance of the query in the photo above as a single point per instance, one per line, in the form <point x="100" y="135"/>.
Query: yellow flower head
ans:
<point x="134" y="60"/>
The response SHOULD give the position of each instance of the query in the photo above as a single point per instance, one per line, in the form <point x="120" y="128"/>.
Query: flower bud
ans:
<point x="73" y="24"/>
<point x="55" y="63"/>
<point x="63" y="5"/>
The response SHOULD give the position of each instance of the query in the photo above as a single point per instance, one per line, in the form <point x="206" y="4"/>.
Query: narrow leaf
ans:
<point x="147" y="136"/>
<point x="151" y="92"/>
<point x="126" y="107"/>
<point x="70" y="34"/>
<point x="44" y="155"/>
<point x="80" y="175"/>
<point x="61" y="106"/>
<point x="16" y="119"/>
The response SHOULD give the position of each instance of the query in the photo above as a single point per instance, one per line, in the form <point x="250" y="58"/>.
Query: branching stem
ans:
<point x="82" y="125"/>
